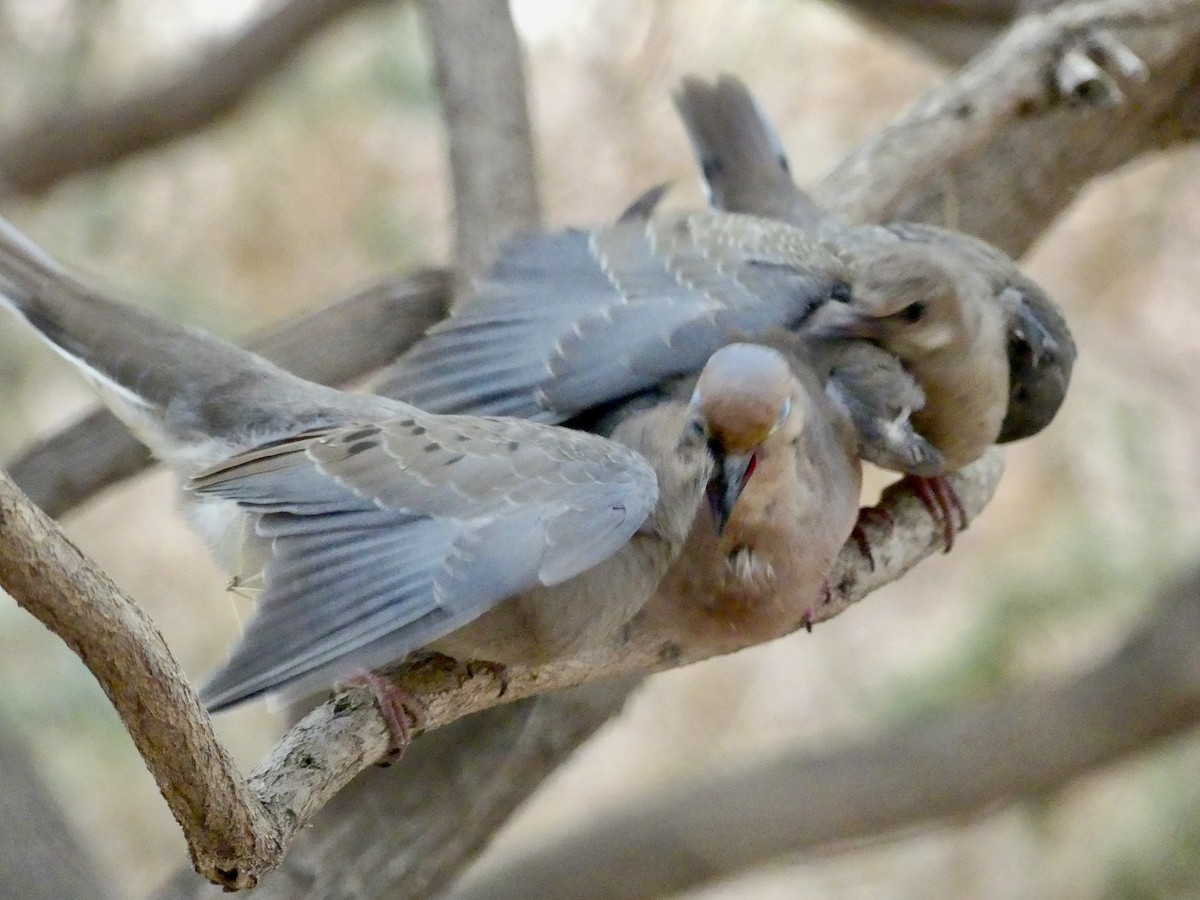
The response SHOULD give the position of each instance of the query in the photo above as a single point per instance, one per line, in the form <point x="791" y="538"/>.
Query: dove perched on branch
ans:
<point x="757" y="569"/>
<point x="377" y="528"/>
<point x="988" y="348"/>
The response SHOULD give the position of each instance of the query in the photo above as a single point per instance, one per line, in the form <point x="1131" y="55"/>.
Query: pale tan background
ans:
<point x="334" y="176"/>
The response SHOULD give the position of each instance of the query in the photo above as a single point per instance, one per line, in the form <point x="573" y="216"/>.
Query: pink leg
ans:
<point x="397" y="706"/>
<point x="944" y="505"/>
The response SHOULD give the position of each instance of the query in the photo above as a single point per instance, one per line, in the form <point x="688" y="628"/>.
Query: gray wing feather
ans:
<point x="386" y="536"/>
<point x="741" y="157"/>
<point x="492" y="354"/>
<point x="567" y="321"/>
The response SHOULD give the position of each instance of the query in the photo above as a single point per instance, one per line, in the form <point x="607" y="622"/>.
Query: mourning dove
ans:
<point x="377" y="528"/>
<point x="375" y="555"/>
<point x="989" y="349"/>
<point x="746" y="171"/>
<point x="756" y="570"/>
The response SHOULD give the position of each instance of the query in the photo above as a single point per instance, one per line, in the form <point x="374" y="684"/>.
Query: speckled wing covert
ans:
<point x="386" y="536"/>
<point x="569" y="320"/>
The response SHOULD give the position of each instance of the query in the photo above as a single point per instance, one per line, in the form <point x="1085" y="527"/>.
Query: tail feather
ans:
<point x="741" y="157"/>
<point x="191" y="397"/>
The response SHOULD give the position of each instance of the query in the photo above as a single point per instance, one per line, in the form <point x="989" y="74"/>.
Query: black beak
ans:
<point x="730" y="474"/>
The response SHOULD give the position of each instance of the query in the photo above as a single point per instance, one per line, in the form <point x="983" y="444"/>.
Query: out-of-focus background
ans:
<point x="335" y="175"/>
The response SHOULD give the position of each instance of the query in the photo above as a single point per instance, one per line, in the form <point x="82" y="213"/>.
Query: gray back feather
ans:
<point x="567" y="321"/>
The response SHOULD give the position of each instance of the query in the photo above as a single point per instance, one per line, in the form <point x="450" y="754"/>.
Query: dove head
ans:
<point x="908" y="301"/>
<point x="743" y="396"/>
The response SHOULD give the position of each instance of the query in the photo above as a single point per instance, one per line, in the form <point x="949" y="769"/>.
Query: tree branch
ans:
<point x="954" y="764"/>
<point x="412" y="814"/>
<point x="478" y="70"/>
<point x="238" y="831"/>
<point x="78" y="140"/>
<point x="1001" y="119"/>
<point x="44" y="572"/>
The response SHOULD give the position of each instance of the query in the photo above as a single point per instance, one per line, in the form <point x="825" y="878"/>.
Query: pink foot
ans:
<point x="403" y="711"/>
<point x="944" y="505"/>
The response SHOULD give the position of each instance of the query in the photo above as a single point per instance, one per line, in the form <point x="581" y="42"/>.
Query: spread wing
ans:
<point x="570" y="320"/>
<point x="384" y="537"/>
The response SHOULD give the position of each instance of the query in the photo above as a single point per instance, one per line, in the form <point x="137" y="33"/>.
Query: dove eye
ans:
<point x="913" y="313"/>
<point x="784" y="412"/>
<point x="696" y="428"/>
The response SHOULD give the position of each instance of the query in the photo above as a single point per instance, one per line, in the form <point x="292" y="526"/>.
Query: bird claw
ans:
<point x="403" y="711"/>
<point x="499" y="671"/>
<point x="1084" y="71"/>
<point x="807" y="619"/>
<point x="869" y="516"/>
<point x="941" y="500"/>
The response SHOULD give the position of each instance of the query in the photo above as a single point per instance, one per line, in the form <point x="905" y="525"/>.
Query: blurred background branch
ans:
<point x="70" y="141"/>
<point x="40" y="856"/>
<point x="1023" y="744"/>
<point x="478" y="71"/>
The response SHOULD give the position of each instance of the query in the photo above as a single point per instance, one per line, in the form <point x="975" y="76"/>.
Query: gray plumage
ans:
<point x="880" y="397"/>
<point x="746" y="171"/>
<point x="376" y="527"/>
<point x="569" y="320"/>
<point x="385" y="537"/>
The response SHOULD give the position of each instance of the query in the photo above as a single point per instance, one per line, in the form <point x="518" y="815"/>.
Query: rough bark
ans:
<point x="997" y="151"/>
